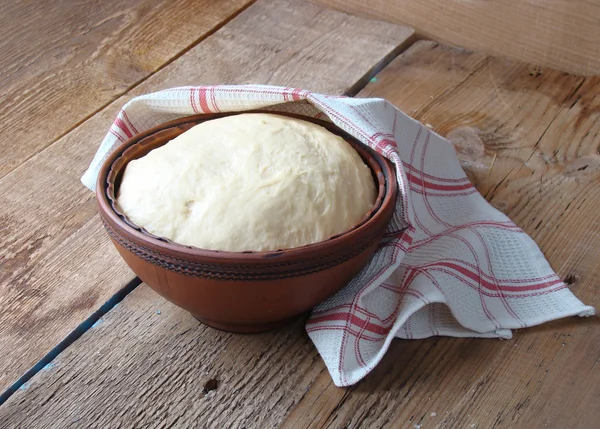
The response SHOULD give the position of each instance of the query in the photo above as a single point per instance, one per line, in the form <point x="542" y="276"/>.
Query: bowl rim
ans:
<point x="387" y="192"/>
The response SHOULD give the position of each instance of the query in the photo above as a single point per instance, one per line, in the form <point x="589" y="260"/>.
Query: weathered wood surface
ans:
<point x="148" y="364"/>
<point x="62" y="62"/>
<point x="57" y="265"/>
<point x="157" y="368"/>
<point x="564" y="34"/>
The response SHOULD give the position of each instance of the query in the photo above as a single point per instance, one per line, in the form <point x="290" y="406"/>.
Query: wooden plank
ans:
<point x="62" y="62"/>
<point x="562" y="34"/>
<point x="545" y="377"/>
<point x="57" y="265"/>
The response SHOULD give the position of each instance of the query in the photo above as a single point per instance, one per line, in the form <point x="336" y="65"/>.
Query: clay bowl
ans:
<point x="242" y="291"/>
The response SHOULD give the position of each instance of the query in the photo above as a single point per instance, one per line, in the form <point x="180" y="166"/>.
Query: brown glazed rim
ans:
<point x="168" y="254"/>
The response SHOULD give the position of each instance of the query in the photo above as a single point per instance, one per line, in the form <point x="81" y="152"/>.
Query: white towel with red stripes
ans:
<point x="458" y="267"/>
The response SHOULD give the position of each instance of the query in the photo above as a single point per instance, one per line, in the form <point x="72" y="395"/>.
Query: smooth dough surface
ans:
<point x="249" y="182"/>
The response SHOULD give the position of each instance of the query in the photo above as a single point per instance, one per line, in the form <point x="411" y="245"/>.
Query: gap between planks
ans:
<point x="70" y="338"/>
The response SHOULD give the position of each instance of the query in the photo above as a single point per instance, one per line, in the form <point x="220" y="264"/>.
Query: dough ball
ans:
<point x="249" y="182"/>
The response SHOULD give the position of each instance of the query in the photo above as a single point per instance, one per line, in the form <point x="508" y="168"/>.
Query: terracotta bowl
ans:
<point x="242" y="291"/>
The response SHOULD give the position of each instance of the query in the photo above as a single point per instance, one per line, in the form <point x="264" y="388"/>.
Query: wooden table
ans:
<point x="528" y="137"/>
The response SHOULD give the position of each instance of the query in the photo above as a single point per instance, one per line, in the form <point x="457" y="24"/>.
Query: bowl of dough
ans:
<point x="246" y="219"/>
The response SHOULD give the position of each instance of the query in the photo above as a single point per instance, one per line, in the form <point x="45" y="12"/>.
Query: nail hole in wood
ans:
<point x="536" y="72"/>
<point x="570" y="280"/>
<point x="210" y="385"/>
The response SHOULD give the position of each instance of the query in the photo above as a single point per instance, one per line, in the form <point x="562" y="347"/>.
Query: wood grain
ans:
<point x="564" y="34"/>
<point x="272" y="371"/>
<point x="57" y="265"/>
<point x="62" y="62"/>
<point x="147" y="363"/>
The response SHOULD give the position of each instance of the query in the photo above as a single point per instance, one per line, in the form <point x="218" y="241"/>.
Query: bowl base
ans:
<point x="246" y="329"/>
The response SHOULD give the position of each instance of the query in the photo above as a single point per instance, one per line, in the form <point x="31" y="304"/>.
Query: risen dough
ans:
<point x="249" y="182"/>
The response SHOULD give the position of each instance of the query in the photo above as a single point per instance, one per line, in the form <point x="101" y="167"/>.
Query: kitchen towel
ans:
<point x="449" y="263"/>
